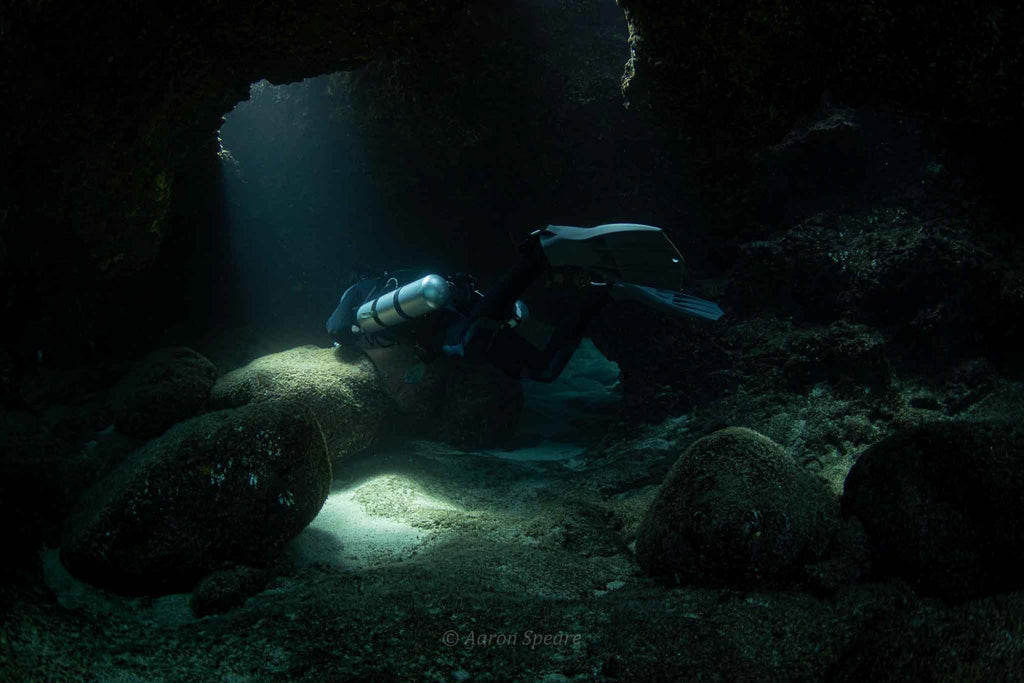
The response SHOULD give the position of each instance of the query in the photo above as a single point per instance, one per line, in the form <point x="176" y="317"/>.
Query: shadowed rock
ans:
<point x="461" y="403"/>
<point x="164" y="388"/>
<point x="232" y="486"/>
<point x="736" y="510"/>
<point x="942" y="506"/>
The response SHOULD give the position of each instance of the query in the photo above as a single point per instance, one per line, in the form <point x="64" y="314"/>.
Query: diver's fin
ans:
<point x="618" y="252"/>
<point x="668" y="301"/>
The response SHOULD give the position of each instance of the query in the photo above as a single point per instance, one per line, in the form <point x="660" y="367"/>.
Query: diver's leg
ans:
<point x="498" y="301"/>
<point x="517" y="357"/>
<point x="513" y="355"/>
<point x="569" y="333"/>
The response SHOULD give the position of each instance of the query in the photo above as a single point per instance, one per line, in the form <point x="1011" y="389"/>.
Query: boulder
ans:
<point x="232" y="486"/>
<point x="164" y="388"/>
<point x="736" y="510"/>
<point x="465" y="404"/>
<point x="943" y="507"/>
<point x="340" y="386"/>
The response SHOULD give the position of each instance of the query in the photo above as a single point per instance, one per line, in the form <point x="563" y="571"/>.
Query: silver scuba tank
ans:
<point x="413" y="300"/>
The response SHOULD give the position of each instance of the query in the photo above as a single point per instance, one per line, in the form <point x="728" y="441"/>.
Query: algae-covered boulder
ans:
<point x="943" y="507"/>
<point x="232" y="486"/>
<point x="465" y="404"/>
<point x="736" y="510"/>
<point x="164" y="388"/>
<point x="339" y="385"/>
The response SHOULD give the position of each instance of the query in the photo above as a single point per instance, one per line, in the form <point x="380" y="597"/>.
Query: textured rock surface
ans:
<point x="517" y="555"/>
<point x="943" y="507"/>
<point x="339" y="385"/>
<point x="164" y="388"/>
<point x="916" y="272"/>
<point x="845" y="297"/>
<point x="464" y="404"/>
<point x="232" y="486"/>
<point x="191" y="67"/>
<point x="736" y="510"/>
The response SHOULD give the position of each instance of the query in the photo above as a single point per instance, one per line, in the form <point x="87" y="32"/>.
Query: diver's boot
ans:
<point x="665" y="300"/>
<point x="618" y="252"/>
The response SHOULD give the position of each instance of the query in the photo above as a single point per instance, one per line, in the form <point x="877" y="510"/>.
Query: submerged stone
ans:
<point x="164" y="388"/>
<point x="943" y="507"/>
<point x="465" y="404"/>
<point x="232" y="486"/>
<point x="736" y="510"/>
<point x="339" y="385"/>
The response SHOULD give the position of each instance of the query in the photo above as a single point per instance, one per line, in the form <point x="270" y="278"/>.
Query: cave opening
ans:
<point x="443" y="156"/>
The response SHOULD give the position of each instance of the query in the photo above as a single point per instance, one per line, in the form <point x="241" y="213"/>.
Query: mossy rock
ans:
<point x="164" y="388"/>
<point x="340" y="386"/>
<point x="461" y="403"/>
<point x="736" y="510"/>
<point x="943" y="507"/>
<point x="233" y="486"/>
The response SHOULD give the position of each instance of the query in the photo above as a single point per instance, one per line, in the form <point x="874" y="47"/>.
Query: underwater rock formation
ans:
<point x="670" y="367"/>
<point x="465" y="404"/>
<point x="941" y="292"/>
<point x="740" y="75"/>
<point x="232" y="486"/>
<point x="848" y="356"/>
<point x="339" y="385"/>
<point x="736" y="510"/>
<point x="164" y="388"/>
<point x="943" y="507"/>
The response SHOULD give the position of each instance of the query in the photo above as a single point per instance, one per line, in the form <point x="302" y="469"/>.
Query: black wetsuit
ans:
<point x="472" y="326"/>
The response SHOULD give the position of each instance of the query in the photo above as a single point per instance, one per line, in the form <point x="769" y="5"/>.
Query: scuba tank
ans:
<point x="413" y="300"/>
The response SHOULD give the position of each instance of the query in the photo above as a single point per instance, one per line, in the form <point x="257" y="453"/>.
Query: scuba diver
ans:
<point x="448" y="315"/>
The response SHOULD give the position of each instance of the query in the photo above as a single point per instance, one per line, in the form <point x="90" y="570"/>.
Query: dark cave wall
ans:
<point x="731" y="79"/>
<point x="741" y="75"/>
<point x="514" y="120"/>
<point x="851" y="157"/>
<point x="108" y="106"/>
